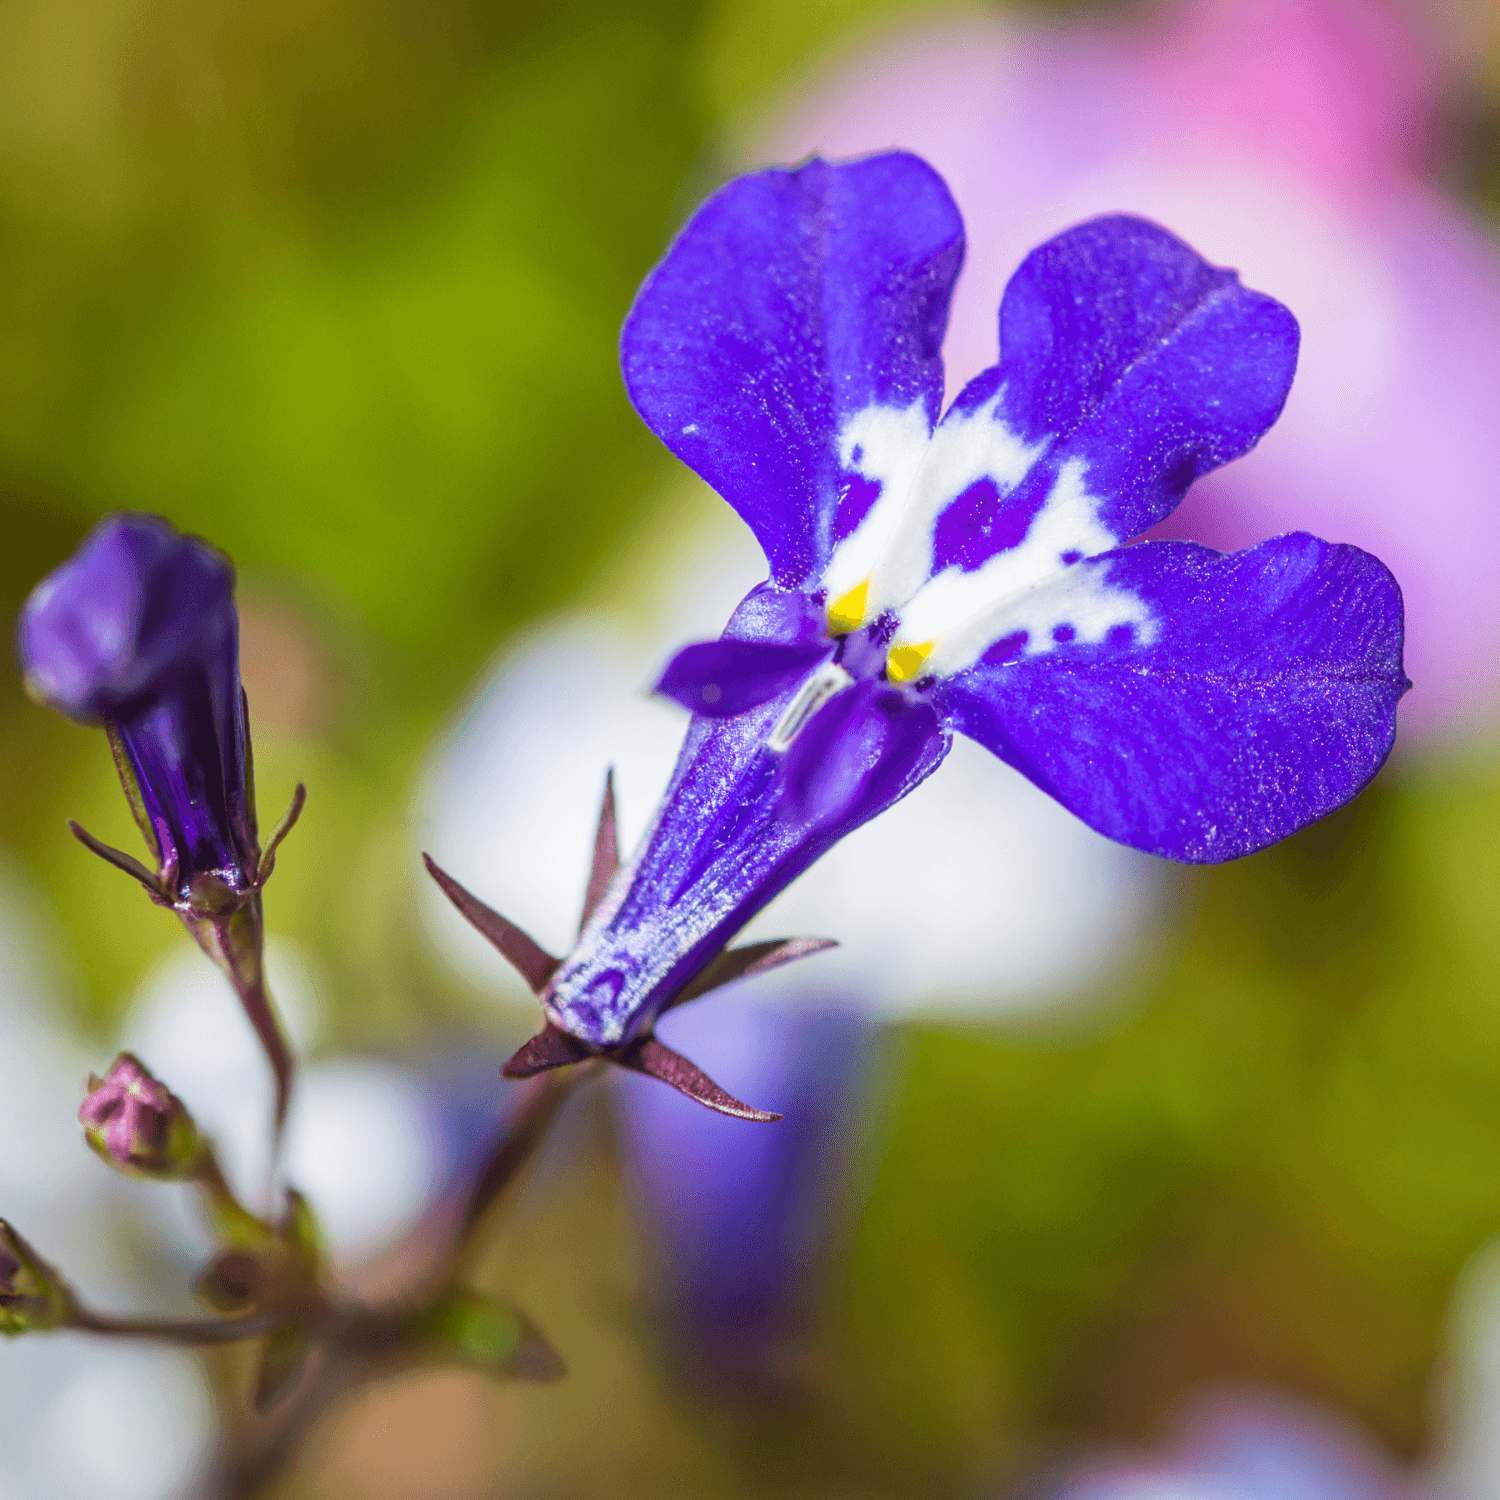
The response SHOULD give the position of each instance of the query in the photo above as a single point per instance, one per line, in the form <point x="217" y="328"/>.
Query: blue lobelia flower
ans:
<point x="970" y="573"/>
<point x="137" y="632"/>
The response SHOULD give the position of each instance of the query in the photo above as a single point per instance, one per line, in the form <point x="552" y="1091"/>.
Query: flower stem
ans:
<point x="514" y="1146"/>
<point x="187" y="1333"/>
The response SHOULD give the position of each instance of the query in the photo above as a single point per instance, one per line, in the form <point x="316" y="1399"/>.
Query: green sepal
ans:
<point x="281" y="1362"/>
<point x="233" y="1224"/>
<point x="487" y="1333"/>
<point x="33" y="1297"/>
<point x="284" y="827"/>
<point x="126" y="773"/>
<point x="301" y="1231"/>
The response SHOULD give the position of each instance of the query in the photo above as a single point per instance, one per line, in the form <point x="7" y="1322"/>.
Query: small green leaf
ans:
<point x="300" y="1230"/>
<point x="281" y="1362"/>
<point x="486" y="1332"/>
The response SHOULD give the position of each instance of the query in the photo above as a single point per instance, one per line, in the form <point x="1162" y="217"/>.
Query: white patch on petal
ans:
<point x="1027" y="587"/>
<point x="966" y="448"/>
<point x="920" y="477"/>
<point x="891" y="442"/>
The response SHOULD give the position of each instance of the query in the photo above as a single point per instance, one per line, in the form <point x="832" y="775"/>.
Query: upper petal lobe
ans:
<point x="791" y="304"/>
<point x="1129" y="367"/>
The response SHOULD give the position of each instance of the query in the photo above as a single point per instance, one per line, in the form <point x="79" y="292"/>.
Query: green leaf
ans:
<point x="488" y="1333"/>
<point x="281" y="1362"/>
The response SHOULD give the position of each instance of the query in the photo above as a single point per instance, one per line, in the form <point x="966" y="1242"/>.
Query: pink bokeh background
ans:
<point x="1289" y="139"/>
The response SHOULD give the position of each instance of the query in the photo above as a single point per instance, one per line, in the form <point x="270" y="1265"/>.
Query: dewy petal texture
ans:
<point x="1129" y="367"/>
<point x="791" y="303"/>
<point x="1263" y="698"/>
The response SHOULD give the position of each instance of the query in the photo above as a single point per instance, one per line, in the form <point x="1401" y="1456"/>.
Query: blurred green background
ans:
<point x="338" y="284"/>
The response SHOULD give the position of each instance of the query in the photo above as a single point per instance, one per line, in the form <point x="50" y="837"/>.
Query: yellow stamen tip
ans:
<point x="904" y="662"/>
<point x="847" y="612"/>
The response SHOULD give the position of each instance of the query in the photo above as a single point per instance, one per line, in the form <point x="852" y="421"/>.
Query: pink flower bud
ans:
<point x="138" y="1125"/>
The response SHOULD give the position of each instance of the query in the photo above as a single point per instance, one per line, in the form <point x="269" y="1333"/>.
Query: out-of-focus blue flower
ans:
<point x="137" y="631"/>
<point x="1238" y="1446"/>
<point x="738" y="1227"/>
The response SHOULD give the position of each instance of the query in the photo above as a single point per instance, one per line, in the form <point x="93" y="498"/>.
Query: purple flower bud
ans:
<point x="138" y="631"/>
<point x="32" y="1298"/>
<point x="138" y="1125"/>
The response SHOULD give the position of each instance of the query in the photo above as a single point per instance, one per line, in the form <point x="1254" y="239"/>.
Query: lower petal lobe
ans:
<point x="1258" y="695"/>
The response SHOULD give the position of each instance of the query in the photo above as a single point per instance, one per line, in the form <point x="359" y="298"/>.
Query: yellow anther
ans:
<point x="905" y="662"/>
<point x="847" y="612"/>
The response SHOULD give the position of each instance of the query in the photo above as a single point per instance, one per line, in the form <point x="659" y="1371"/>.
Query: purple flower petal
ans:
<point x="792" y="302"/>
<point x="1255" y="694"/>
<point x="1129" y="367"/>
<point x="139" y="627"/>
<point x="849" y="745"/>
<point x="723" y="678"/>
<point x="725" y="841"/>
<point x="1142" y="361"/>
<point x="135" y="605"/>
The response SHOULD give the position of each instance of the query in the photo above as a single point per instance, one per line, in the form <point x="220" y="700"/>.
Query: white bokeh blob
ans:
<point x="360" y="1142"/>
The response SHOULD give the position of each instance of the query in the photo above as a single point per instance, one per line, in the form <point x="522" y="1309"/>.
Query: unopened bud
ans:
<point x="234" y="1280"/>
<point x="32" y="1298"/>
<point x="138" y="1124"/>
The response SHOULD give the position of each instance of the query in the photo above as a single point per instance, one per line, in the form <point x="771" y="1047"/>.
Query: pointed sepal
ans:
<point x="282" y="1360"/>
<point x="535" y="965"/>
<point x="120" y="860"/>
<point x="753" y="958"/>
<point x="657" y="1060"/>
<point x="551" y="1047"/>
<point x="606" y="852"/>
<point x="284" y="827"/>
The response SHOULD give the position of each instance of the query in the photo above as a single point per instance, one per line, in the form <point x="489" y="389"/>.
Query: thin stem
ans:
<point x="187" y="1333"/>
<point x="239" y="939"/>
<point x="518" y="1140"/>
<point x="262" y="1013"/>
